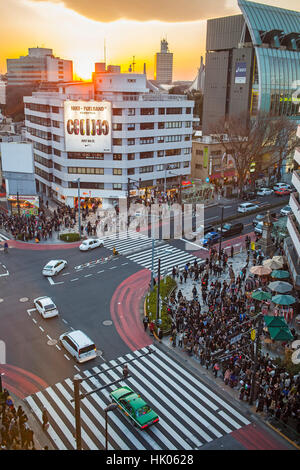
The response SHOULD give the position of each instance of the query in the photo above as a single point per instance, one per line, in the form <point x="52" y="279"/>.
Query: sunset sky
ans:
<point x="76" y="30"/>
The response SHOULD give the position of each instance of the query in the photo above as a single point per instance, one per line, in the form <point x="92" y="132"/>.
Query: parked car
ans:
<point x="54" y="266"/>
<point x="258" y="218"/>
<point x="46" y="307"/>
<point x="210" y="238"/>
<point x="90" y="244"/>
<point x="231" y="229"/>
<point x="282" y="192"/>
<point x="247" y="207"/>
<point x="286" y="210"/>
<point x="264" y="192"/>
<point x="134" y="407"/>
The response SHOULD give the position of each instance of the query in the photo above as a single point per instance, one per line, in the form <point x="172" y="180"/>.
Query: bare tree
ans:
<point x="246" y="144"/>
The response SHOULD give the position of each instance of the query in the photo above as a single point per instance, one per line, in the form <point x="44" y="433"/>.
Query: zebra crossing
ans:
<point x="169" y="256"/>
<point x="190" y="413"/>
<point x="127" y="241"/>
<point x="3" y="238"/>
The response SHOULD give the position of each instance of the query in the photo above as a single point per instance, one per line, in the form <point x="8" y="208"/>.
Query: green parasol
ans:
<point x="280" y="334"/>
<point x="261" y="295"/>
<point x="283" y="299"/>
<point x="280" y="274"/>
<point x="272" y="321"/>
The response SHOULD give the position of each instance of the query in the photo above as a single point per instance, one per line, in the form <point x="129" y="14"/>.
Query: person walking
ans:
<point x="45" y="419"/>
<point x="145" y="322"/>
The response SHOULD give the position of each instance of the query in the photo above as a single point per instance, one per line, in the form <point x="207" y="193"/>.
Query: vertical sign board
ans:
<point x="240" y="72"/>
<point x="87" y="126"/>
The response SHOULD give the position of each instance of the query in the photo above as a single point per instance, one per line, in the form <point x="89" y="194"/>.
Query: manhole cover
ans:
<point x="52" y="342"/>
<point x="107" y="322"/>
<point x="24" y="299"/>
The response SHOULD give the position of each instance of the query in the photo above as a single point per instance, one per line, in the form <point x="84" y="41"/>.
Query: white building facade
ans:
<point x="163" y="72"/>
<point x="292" y="243"/>
<point x="148" y="144"/>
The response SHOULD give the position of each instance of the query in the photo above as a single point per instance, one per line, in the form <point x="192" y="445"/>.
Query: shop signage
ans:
<point x="240" y="72"/>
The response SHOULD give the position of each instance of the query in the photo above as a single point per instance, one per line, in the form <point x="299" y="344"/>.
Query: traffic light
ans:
<point x="125" y="371"/>
<point x="252" y="167"/>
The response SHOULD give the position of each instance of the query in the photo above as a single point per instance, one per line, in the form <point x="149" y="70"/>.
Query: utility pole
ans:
<point x="152" y="265"/>
<point x="255" y="359"/>
<point x="18" y="204"/>
<point x="180" y="189"/>
<point x="157" y="298"/>
<point x="76" y="382"/>
<point x="220" y="241"/>
<point x="78" y="197"/>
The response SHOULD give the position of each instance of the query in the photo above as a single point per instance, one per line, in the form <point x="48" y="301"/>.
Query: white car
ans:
<point x="247" y="207"/>
<point x="54" y="266"/>
<point x="264" y="192"/>
<point x="286" y="210"/>
<point x="46" y="307"/>
<point x="259" y="228"/>
<point x="79" y="345"/>
<point x="90" y="244"/>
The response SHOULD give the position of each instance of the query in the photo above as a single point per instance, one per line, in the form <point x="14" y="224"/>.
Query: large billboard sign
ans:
<point x="87" y="126"/>
<point x="240" y="72"/>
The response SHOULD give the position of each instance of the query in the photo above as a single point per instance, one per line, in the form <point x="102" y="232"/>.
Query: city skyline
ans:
<point x="76" y="32"/>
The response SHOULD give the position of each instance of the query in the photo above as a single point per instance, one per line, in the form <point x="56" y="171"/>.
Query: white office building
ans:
<point x="39" y="65"/>
<point x="163" y="72"/>
<point x="108" y="133"/>
<point x="292" y="243"/>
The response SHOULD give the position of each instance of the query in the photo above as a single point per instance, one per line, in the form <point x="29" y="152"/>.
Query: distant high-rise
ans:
<point x="39" y="65"/>
<point x="163" y="72"/>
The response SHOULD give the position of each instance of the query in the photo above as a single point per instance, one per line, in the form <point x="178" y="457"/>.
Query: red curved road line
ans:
<point x="125" y="310"/>
<point x="21" y="382"/>
<point x="253" y="437"/>
<point x="50" y="246"/>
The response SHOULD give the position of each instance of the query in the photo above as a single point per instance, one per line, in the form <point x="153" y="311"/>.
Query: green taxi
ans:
<point x="134" y="407"/>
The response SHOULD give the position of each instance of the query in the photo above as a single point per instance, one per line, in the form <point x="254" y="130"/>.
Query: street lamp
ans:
<point x="78" y="196"/>
<point x="109" y="408"/>
<point x="220" y="241"/>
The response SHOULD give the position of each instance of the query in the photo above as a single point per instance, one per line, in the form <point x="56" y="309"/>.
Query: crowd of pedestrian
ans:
<point x="15" y="434"/>
<point x="214" y="325"/>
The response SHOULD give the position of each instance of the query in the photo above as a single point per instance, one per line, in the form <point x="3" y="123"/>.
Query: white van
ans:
<point x="79" y="345"/>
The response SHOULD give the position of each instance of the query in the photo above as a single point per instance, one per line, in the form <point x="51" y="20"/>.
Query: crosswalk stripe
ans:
<point x="190" y="414"/>
<point x="3" y="238"/>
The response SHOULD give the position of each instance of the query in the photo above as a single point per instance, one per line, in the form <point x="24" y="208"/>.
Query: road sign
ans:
<point x="235" y="339"/>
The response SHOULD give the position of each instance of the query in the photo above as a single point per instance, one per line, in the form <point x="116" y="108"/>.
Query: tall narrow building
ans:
<point x="163" y="72"/>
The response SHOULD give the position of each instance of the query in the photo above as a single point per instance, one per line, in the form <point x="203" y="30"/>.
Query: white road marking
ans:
<point x="88" y="275"/>
<point x="42" y="329"/>
<point x="100" y="271"/>
<point x="65" y="321"/>
<point x="76" y="279"/>
<point x="77" y="368"/>
<point x="67" y="357"/>
<point x="66" y="274"/>
<point x="49" y="337"/>
<point x="113" y="267"/>
<point x="57" y="347"/>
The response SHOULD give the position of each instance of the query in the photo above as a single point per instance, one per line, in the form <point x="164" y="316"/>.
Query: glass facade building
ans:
<point x="275" y="36"/>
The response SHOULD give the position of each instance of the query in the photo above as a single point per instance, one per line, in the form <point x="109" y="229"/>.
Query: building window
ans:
<point x="161" y="110"/>
<point x="117" y="126"/>
<point x="160" y="139"/>
<point x="161" y="125"/>
<point x="147" y="140"/>
<point x="56" y="124"/>
<point x="57" y="166"/>
<point x="117" y="141"/>
<point x="117" y="112"/>
<point x="146" y="126"/>
<point x="117" y="156"/>
<point x="198" y="166"/>
<point x="174" y="111"/>
<point x="130" y="156"/>
<point x="117" y="171"/>
<point x="173" y="124"/>
<point x="147" y="111"/>
<point x="131" y="112"/>
<point x="173" y="138"/>
<point x="55" y="109"/>
<point x="146" y="155"/>
<point x="186" y="164"/>
<point x="160" y="167"/>
<point x="130" y="127"/>
<point x="130" y="141"/>
<point x="84" y="155"/>
<point x="130" y="171"/>
<point x="160" y="153"/>
<point x="173" y="166"/>
<point x="86" y="185"/>
<point x="199" y="152"/>
<point x="146" y="169"/>
<point x="117" y="185"/>
<point x="131" y="80"/>
<point x="186" y="151"/>
<point x="188" y="110"/>
<point x="188" y="124"/>
<point x="171" y="152"/>
<point x="56" y="138"/>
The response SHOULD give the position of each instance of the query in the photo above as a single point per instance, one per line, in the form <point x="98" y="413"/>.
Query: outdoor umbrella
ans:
<point x="261" y="295"/>
<point x="282" y="299"/>
<point x="272" y="263"/>
<point x="260" y="270"/>
<point x="280" y="286"/>
<point x="280" y="274"/>
<point x="280" y="334"/>
<point x="272" y="321"/>
<point x="279" y="259"/>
